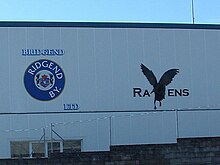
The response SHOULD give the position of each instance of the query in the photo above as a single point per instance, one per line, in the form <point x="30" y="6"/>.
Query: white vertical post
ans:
<point x="46" y="149"/>
<point x="45" y="144"/>
<point x="30" y="149"/>
<point x="110" y="130"/>
<point x="177" y="124"/>
<point x="61" y="146"/>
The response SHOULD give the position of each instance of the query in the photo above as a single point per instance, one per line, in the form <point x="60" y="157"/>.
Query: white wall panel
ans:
<point x="102" y="66"/>
<point x="5" y="82"/>
<point x="199" y="123"/>
<point x="142" y="128"/>
<point x="18" y="123"/>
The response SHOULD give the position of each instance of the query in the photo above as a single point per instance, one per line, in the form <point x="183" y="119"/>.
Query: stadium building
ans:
<point x="69" y="86"/>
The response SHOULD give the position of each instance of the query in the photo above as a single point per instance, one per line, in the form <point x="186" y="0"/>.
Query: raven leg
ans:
<point x="160" y="104"/>
<point x="155" y="104"/>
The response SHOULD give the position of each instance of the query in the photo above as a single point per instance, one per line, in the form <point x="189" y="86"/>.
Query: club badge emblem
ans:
<point x="44" y="80"/>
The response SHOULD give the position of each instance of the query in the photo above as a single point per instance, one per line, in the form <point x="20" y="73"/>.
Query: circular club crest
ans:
<point x="44" y="80"/>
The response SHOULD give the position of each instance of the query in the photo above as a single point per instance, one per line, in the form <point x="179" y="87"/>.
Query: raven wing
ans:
<point x="168" y="76"/>
<point x="149" y="75"/>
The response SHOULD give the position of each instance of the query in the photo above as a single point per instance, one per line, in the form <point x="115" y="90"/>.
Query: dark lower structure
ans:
<point x="188" y="151"/>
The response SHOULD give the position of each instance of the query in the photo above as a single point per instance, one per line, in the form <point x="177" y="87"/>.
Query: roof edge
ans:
<point x="108" y="25"/>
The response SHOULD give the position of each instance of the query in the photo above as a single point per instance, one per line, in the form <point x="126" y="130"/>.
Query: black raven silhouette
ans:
<point x="159" y="87"/>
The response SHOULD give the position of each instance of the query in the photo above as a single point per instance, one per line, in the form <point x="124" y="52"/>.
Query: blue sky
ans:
<point x="175" y="11"/>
